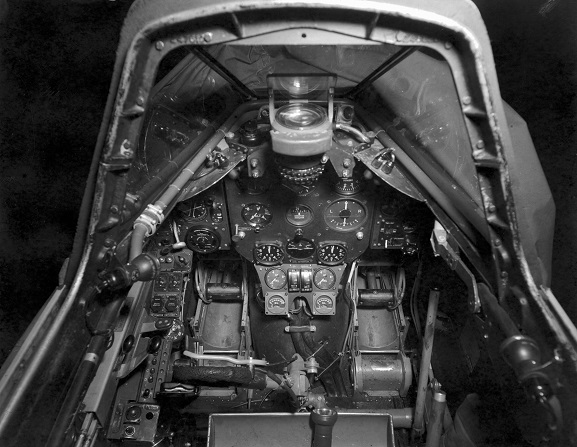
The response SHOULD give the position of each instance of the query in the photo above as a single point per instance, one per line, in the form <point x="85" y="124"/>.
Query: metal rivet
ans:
<point x="159" y="45"/>
<point x="480" y="144"/>
<point x="467" y="100"/>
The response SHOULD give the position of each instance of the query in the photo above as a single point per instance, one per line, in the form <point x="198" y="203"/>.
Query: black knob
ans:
<point x="133" y="413"/>
<point x="128" y="344"/>
<point x="154" y="344"/>
<point x="298" y="236"/>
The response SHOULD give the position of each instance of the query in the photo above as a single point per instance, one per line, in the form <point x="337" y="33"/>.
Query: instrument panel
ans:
<point x="276" y="225"/>
<point x="300" y="240"/>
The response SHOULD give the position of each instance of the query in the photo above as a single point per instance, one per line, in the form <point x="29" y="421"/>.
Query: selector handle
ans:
<point x="298" y="236"/>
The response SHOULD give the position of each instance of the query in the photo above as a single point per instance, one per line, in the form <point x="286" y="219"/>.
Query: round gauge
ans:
<point x="202" y="239"/>
<point x="276" y="304"/>
<point x="268" y="254"/>
<point x="345" y="215"/>
<point x="324" y="305"/>
<point x="348" y="186"/>
<point x="332" y="254"/>
<point x="324" y="279"/>
<point x="256" y="215"/>
<point x="390" y="207"/>
<point x="275" y="279"/>
<point x="299" y="215"/>
<point x="300" y="250"/>
<point x="193" y="212"/>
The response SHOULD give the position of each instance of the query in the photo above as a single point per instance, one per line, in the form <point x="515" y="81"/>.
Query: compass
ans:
<point x="348" y="186"/>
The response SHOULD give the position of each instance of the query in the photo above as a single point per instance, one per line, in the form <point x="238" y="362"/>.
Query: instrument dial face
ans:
<point x="332" y="254"/>
<point x="324" y="279"/>
<point x="268" y="254"/>
<point x="256" y="215"/>
<point x="345" y="215"/>
<point x="276" y="279"/>
<point x="202" y="240"/>
<point x="348" y="186"/>
<point x="276" y="304"/>
<point x="302" y="249"/>
<point x="324" y="305"/>
<point x="299" y="215"/>
<point x="193" y="212"/>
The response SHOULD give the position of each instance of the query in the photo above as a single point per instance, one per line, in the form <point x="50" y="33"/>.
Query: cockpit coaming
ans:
<point x="300" y="231"/>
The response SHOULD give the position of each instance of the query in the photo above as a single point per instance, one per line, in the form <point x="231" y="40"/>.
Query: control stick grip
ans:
<point x="323" y="420"/>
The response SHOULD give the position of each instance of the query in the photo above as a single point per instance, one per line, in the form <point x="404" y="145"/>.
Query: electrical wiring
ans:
<point x="200" y="281"/>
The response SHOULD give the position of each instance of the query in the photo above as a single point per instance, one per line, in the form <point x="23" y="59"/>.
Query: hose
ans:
<point x="225" y="358"/>
<point x="355" y="132"/>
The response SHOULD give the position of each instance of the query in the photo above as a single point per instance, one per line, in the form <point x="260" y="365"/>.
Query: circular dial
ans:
<point x="299" y="215"/>
<point x="348" y="186"/>
<point x="332" y="254"/>
<point x="275" y="279"/>
<point x="256" y="215"/>
<point x="324" y="279"/>
<point x="324" y="305"/>
<point x="193" y="212"/>
<point x="276" y="304"/>
<point x="300" y="250"/>
<point x="202" y="239"/>
<point x="390" y="207"/>
<point x="345" y="215"/>
<point x="268" y="254"/>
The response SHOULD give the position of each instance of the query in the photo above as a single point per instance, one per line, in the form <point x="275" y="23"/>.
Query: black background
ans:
<point x="56" y="59"/>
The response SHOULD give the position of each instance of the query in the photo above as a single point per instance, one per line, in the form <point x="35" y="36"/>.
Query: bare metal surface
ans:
<point x="287" y="430"/>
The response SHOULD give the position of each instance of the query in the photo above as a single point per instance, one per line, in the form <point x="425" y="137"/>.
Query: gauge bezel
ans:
<point x="213" y="233"/>
<point x="258" y="260"/>
<point x="296" y="223"/>
<point x="324" y="261"/>
<point x="359" y="224"/>
<point x="266" y="278"/>
<point x="318" y="310"/>
<point x="334" y="279"/>
<point x="254" y="224"/>
<point x="358" y="186"/>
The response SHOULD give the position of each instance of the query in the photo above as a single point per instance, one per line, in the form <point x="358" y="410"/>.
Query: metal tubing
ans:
<point x="435" y="425"/>
<point x="425" y="362"/>
<point x="85" y="373"/>
<point x="402" y="417"/>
